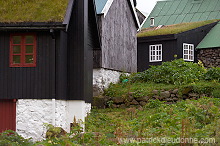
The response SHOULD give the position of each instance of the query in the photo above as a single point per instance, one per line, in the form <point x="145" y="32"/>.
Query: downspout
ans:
<point x="53" y="111"/>
<point x="52" y="33"/>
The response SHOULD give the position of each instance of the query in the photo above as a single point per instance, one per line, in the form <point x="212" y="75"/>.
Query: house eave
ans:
<point x="32" y="26"/>
<point x="157" y="38"/>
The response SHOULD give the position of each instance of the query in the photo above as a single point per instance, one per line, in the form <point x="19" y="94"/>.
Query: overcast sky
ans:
<point x="146" y="5"/>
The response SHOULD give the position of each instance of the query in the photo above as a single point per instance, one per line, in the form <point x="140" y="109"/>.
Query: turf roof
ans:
<point x="32" y="10"/>
<point x="173" y="29"/>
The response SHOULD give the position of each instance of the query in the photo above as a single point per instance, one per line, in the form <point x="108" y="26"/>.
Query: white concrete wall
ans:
<point x="32" y="114"/>
<point x="102" y="79"/>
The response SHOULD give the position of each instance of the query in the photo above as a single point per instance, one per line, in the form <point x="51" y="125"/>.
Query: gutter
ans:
<point x="157" y="38"/>
<point x="32" y="26"/>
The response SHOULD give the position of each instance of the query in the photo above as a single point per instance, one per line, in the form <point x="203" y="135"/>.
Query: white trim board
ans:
<point x="107" y="7"/>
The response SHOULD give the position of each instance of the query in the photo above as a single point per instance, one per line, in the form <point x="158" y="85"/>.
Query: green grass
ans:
<point x="146" y="88"/>
<point x="192" y="118"/>
<point x="32" y="10"/>
<point x="173" y="29"/>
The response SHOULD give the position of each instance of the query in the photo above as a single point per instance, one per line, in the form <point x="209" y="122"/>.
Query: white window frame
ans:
<point x="188" y="52"/>
<point x="155" y="53"/>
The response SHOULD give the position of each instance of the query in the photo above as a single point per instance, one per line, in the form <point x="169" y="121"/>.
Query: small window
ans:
<point x="155" y="53"/>
<point x="23" y="50"/>
<point x="188" y="52"/>
<point x="152" y="21"/>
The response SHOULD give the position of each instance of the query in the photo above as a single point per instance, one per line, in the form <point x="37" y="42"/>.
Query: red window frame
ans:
<point x="23" y="50"/>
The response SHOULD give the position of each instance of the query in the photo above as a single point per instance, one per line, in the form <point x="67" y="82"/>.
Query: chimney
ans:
<point x="135" y="3"/>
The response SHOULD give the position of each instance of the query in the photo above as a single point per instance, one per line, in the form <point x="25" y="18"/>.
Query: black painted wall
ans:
<point x="28" y="82"/>
<point x="64" y="61"/>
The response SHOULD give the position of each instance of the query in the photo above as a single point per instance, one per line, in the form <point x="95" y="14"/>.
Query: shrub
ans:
<point x="176" y="72"/>
<point x="216" y="93"/>
<point x="213" y="74"/>
<point x="11" y="138"/>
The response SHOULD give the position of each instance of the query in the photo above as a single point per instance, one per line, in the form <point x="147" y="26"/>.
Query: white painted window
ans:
<point x="155" y="52"/>
<point x="188" y="52"/>
<point x="152" y="21"/>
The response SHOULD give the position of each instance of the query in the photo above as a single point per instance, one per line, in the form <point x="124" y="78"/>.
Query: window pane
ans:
<point x="29" y="59"/>
<point x="16" y="49"/>
<point x="16" y="39"/>
<point x="16" y="59"/>
<point x="185" y="57"/>
<point x="29" y="39"/>
<point x="29" y="49"/>
<point x="185" y="51"/>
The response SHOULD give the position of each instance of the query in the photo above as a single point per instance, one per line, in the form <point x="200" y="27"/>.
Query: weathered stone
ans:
<point x="165" y="94"/>
<point x="96" y="90"/>
<point x="175" y="91"/>
<point x="99" y="102"/>
<point x="194" y="98"/>
<point x="155" y="97"/>
<point x="193" y="95"/>
<point x="127" y="104"/>
<point x="186" y="90"/>
<point x="132" y="106"/>
<point x="209" y="57"/>
<point x="134" y="102"/>
<point x="168" y="99"/>
<point x="185" y="97"/>
<point x="114" y="106"/>
<point x="172" y="95"/>
<point x="130" y="93"/>
<point x="118" y="100"/>
<point x="122" y="106"/>
<point x="175" y="99"/>
<point x="142" y="98"/>
<point x="202" y="95"/>
<point x="129" y="98"/>
<point x="142" y="103"/>
<point x="156" y="92"/>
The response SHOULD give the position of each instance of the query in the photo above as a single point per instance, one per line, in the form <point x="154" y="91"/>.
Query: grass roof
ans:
<point x="173" y="29"/>
<point x="32" y="10"/>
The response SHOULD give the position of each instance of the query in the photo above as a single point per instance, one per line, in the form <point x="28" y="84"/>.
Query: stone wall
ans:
<point x="209" y="57"/>
<point x="32" y="114"/>
<point x="102" y="79"/>
<point x="134" y="100"/>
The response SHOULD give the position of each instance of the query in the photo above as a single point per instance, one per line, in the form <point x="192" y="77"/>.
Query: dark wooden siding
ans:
<point x="82" y="38"/>
<point x="171" y="44"/>
<point x="28" y="82"/>
<point x="119" y="41"/>
<point x="7" y="115"/>
<point x="168" y="48"/>
<point x="194" y="36"/>
<point x="61" y="65"/>
<point x="78" y="56"/>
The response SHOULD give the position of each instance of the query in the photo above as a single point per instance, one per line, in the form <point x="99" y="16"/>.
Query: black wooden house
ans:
<point x="155" y="49"/>
<point x="47" y="51"/>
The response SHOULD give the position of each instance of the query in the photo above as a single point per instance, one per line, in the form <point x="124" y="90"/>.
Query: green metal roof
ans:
<point x="100" y="4"/>
<point x="33" y="10"/>
<point x="179" y="11"/>
<point x="212" y="39"/>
